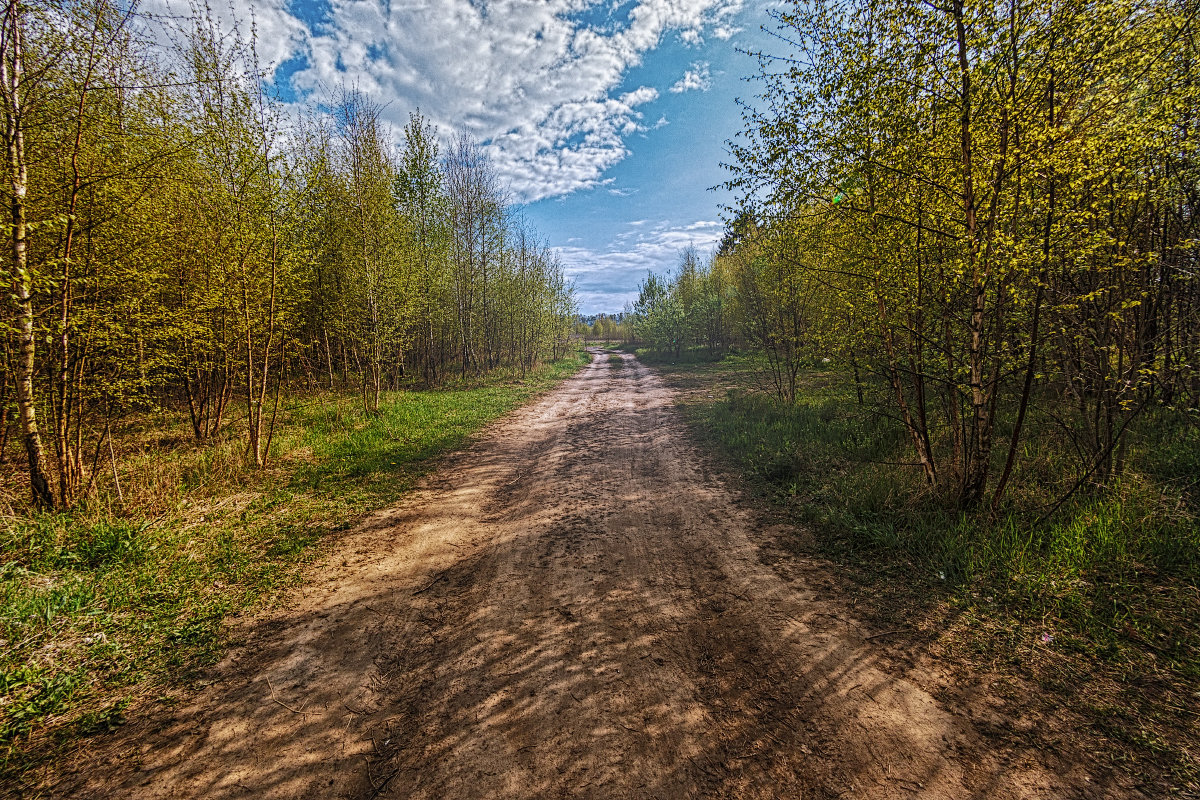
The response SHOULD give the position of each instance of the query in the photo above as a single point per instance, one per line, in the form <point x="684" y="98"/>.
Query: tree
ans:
<point x="977" y="190"/>
<point x="14" y="88"/>
<point x="177" y="242"/>
<point x="379" y="275"/>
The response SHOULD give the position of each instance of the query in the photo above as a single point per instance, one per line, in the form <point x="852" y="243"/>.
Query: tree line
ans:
<point x="989" y="206"/>
<point x="177" y="237"/>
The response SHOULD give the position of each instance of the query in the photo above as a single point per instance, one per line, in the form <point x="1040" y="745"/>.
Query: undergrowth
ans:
<point x="124" y="600"/>
<point x="1098" y="601"/>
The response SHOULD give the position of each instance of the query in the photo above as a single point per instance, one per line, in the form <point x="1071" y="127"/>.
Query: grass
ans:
<point x="124" y="603"/>
<point x="607" y="344"/>
<point x="1097" y="604"/>
<point x="649" y="355"/>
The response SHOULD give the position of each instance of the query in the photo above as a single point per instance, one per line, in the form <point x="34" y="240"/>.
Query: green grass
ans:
<point x="1099" y="603"/>
<point x="668" y="357"/>
<point x="119" y="604"/>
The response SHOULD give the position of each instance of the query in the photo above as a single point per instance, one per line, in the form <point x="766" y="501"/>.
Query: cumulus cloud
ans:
<point x="696" y="78"/>
<point x="604" y="278"/>
<point x="539" y="82"/>
<point x="277" y="34"/>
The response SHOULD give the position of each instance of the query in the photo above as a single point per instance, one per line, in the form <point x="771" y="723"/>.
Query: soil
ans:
<point x="579" y="605"/>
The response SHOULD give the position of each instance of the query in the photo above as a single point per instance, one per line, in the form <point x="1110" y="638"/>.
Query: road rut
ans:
<point x="575" y="606"/>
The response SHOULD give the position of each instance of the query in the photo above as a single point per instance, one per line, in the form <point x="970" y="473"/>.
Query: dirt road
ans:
<point x="574" y="607"/>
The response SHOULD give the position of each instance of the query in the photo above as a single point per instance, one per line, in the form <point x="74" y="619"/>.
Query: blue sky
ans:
<point x="606" y="118"/>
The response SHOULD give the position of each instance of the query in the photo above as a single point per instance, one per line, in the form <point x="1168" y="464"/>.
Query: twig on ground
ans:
<point x="381" y="788"/>
<point x="884" y="633"/>
<point x="429" y="585"/>
<point x="280" y="702"/>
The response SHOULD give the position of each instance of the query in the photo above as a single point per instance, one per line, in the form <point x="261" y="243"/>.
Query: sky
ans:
<point x="607" y="119"/>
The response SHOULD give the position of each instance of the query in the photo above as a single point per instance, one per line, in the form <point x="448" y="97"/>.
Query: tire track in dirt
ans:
<point x="573" y="607"/>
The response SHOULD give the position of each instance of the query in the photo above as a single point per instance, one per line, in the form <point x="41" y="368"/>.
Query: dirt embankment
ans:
<point x="575" y="607"/>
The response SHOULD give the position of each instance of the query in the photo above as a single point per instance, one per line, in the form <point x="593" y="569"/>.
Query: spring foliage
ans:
<point x="177" y="240"/>
<point x="989" y="205"/>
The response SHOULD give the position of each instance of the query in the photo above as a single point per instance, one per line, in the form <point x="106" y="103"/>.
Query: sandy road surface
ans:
<point x="574" y="607"/>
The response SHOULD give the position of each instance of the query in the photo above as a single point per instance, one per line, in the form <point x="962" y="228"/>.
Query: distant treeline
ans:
<point x="178" y="238"/>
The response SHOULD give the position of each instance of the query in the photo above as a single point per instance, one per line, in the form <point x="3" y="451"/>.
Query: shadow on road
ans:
<point x="574" y="607"/>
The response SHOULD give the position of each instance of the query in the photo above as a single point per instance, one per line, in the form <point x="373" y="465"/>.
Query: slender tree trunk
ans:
<point x="4" y="426"/>
<point x="70" y="468"/>
<point x="11" y="70"/>
<point x="1035" y="332"/>
<point x="253" y="413"/>
<point x="328" y="354"/>
<point x="974" y="477"/>
<point x="263" y="453"/>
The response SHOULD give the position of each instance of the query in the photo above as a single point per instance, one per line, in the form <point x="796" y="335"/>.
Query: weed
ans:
<point x="103" y="720"/>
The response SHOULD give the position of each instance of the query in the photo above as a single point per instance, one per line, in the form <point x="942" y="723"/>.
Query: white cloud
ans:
<point x="277" y="34"/>
<point x="606" y="279"/>
<point x="530" y="78"/>
<point x="696" y="78"/>
<point x="538" y="81"/>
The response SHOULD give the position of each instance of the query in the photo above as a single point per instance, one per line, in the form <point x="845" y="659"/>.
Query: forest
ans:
<point x="988" y="207"/>
<point x="180" y="239"/>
